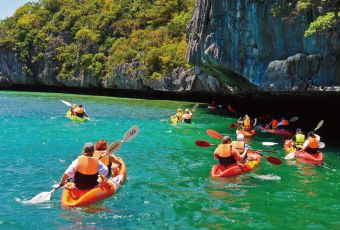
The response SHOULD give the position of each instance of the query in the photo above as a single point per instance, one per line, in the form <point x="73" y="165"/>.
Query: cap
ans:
<point x="88" y="147"/>
<point x="240" y="137"/>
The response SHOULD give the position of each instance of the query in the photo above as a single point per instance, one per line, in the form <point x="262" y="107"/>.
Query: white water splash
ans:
<point x="266" y="177"/>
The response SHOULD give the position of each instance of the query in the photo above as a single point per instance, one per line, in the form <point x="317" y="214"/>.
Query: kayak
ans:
<point x="74" y="197"/>
<point x="303" y="156"/>
<point x="250" y="133"/>
<point x="173" y="120"/>
<point x="281" y="132"/>
<point x="75" y="118"/>
<point x="219" y="170"/>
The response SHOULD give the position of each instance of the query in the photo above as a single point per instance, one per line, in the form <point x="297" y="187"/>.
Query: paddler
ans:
<point x="178" y="115"/>
<point x="284" y="122"/>
<point x="274" y="124"/>
<point x="112" y="162"/>
<point x="85" y="169"/>
<point x="226" y="153"/>
<point x="241" y="147"/>
<point x="299" y="138"/>
<point x="73" y="107"/>
<point x="311" y="145"/>
<point x="80" y="111"/>
<point x="187" y="116"/>
<point x="245" y="123"/>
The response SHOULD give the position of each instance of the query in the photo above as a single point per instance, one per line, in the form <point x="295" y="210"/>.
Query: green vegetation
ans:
<point x="329" y="11"/>
<point x="94" y="36"/>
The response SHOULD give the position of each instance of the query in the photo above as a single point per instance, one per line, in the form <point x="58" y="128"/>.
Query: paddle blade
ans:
<point x="294" y="119"/>
<point x="201" y="143"/>
<point x="194" y="108"/>
<point x="214" y="134"/>
<point x="273" y="160"/>
<point x="113" y="147"/>
<point x="40" y="198"/>
<point x="231" y="109"/>
<point x="319" y="125"/>
<point x="131" y="133"/>
<point x="269" y="143"/>
<point x="322" y="145"/>
<point x="66" y="103"/>
<point x="290" y="156"/>
<point x="233" y="126"/>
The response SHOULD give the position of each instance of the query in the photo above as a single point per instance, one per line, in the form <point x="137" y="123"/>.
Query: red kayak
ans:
<point x="234" y="169"/>
<point x="281" y="132"/>
<point x="250" y="133"/>
<point x="303" y="156"/>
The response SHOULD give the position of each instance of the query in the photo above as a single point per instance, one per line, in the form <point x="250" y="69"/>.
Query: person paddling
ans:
<point x="85" y="169"/>
<point x="299" y="138"/>
<point x="226" y="153"/>
<point x="284" y="122"/>
<point x="112" y="162"/>
<point x="245" y="123"/>
<point x="187" y="116"/>
<point x="274" y="124"/>
<point x="80" y="111"/>
<point x="73" y="107"/>
<point x="311" y="145"/>
<point x="178" y="115"/>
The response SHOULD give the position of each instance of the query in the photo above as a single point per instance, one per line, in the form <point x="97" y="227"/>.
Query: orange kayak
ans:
<point x="74" y="197"/>
<point x="303" y="156"/>
<point x="250" y="133"/>
<point x="219" y="170"/>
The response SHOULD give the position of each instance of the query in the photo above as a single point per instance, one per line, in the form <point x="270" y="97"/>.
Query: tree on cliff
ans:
<point x="323" y="15"/>
<point x="95" y="36"/>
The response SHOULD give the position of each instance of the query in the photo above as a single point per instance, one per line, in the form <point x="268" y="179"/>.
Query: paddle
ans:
<point x="214" y="134"/>
<point x="231" y="109"/>
<point x="66" y="103"/>
<point x="194" y="107"/>
<point x="202" y="143"/>
<point x="128" y="136"/>
<point x="267" y="143"/>
<point x="271" y="159"/>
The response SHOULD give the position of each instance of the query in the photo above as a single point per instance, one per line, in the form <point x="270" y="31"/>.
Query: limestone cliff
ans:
<point x="244" y="40"/>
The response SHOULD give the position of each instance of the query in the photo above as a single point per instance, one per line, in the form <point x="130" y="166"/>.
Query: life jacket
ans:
<point x="79" y="111"/>
<point x="299" y="140"/>
<point x="313" y="143"/>
<point x="275" y="123"/>
<point x="285" y="122"/>
<point x="104" y="159"/>
<point x="223" y="150"/>
<point x="187" y="118"/>
<point x="239" y="145"/>
<point x="246" y="125"/>
<point x="179" y="115"/>
<point x="87" y="172"/>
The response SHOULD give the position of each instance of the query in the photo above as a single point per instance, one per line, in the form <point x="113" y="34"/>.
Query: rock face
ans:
<point x="244" y="38"/>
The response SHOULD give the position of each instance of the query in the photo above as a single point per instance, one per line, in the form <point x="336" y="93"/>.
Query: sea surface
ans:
<point x="168" y="182"/>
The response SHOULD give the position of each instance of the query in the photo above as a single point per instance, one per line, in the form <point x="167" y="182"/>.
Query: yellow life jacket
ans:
<point x="239" y="146"/>
<point x="223" y="150"/>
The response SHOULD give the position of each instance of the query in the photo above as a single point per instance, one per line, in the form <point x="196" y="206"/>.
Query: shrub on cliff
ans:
<point x="323" y="15"/>
<point x="94" y="36"/>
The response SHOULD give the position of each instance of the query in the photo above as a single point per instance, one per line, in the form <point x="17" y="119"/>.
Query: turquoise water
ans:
<point x="168" y="183"/>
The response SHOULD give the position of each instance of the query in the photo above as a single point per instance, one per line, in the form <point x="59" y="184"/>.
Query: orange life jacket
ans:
<point x="275" y="124"/>
<point x="246" y="125"/>
<point x="313" y="143"/>
<point x="179" y="115"/>
<point x="87" y="172"/>
<point x="223" y="150"/>
<point x="79" y="110"/>
<point x="239" y="146"/>
<point x="285" y="122"/>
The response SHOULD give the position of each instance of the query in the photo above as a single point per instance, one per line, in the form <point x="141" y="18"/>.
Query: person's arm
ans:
<point x="305" y="145"/>
<point x="70" y="172"/>
<point x="236" y="154"/>
<point x="103" y="170"/>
